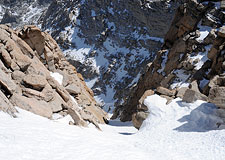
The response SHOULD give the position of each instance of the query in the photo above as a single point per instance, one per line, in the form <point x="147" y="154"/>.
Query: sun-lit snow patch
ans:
<point x="203" y="35"/>
<point x="201" y="57"/>
<point x="202" y="116"/>
<point x="57" y="76"/>
<point x="163" y="64"/>
<point x="187" y="130"/>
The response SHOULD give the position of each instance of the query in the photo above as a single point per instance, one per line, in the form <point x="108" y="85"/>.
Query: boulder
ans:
<point x="221" y="32"/>
<point x="165" y="91"/>
<point x="181" y="92"/>
<point x="191" y="96"/>
<point x="6" y="82"/>
<point x="73" y="89"/>
<point x="141" y="105"/>
<point x="76" y="117"/>
<point x="18" y="76"/>
<point x="138" y="118"/>
<point x="6" y="106"/>
<point x="31" y="104"/>
<point x="217" y="96"/>
<point x="38" y="82"/>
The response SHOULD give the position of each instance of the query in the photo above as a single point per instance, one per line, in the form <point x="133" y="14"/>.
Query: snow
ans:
<point x="178" y="131"/>
<point x="182" y="131"/>
<point x="57" y="76"/>
<point x="180" y="80"/>
<point x="163" y="64"/>
<point x="90" y="82"/>
<point x="203" y="35"/>
<point x="201" y="57"/>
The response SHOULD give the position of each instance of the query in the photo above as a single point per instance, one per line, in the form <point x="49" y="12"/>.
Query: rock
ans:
<point x="181" y="92"/>
<point x="169" y="99"/>
<point x="27" y="57"/>
<point x="6" y="106"/>
<point x="138" y="118"/>
<point x="212" y="53"/>
<point x="221" y="32"/>
<point x="6" y="83"/>
<point x="76" y="117"/>
<point x="73" y="89"/>
<point x="194" y="86"/>
<point x="217" y="96"/>
<point x="141" y="105"/>
<point x="48" y="92"/>
<point x="165" y="91"/>
<point x="18" y="76"/>
<point x="30" y="93"/>
<point x="57" y="103"/>
<point x="31" y="104"/>
<point x="191" y="96"/>
<point x="38" y="82"/>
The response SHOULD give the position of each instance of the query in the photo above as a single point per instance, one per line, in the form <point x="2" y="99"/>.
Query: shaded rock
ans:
<point x="217" y="96"/>
<point x="221" y="32"/>
<point x="138" y="118"/>
<point x="191" y="96"/>
<point x="181" y="92"/>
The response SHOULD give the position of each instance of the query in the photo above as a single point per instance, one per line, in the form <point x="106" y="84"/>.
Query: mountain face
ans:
<point x="190" y="64"/>
<point x="21" y="12"/>
<point x="109" y="42"/>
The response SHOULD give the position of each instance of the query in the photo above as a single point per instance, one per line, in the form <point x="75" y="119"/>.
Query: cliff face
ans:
<point x="192" y="56"/>
<point x="35" y="76"/>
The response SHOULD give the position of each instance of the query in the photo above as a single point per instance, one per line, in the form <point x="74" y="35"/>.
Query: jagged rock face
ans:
<point x="193" y="51"/>
<point x="21" y="12"/>
<point x="29" y="60"/>
<point x="109" y="42"/>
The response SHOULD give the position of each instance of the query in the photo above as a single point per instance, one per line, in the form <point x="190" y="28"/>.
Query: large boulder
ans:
<point x="191" y="96"/>
<point x="138" y="118"/>
<point x="217" y="96"/>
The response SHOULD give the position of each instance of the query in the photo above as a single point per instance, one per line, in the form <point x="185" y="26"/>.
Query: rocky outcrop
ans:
<point x="189" y="60"/>
<point x="31" y="67"/>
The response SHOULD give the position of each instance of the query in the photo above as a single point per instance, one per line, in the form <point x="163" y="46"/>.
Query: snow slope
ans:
<point x="177" y="131"/>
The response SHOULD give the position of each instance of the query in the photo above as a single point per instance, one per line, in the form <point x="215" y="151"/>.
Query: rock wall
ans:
<point x="29" y="60"/>
<point x="190" y="63"/>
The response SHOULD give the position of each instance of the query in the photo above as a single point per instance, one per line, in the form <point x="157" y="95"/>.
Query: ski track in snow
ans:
<point x="178" y="131"/>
